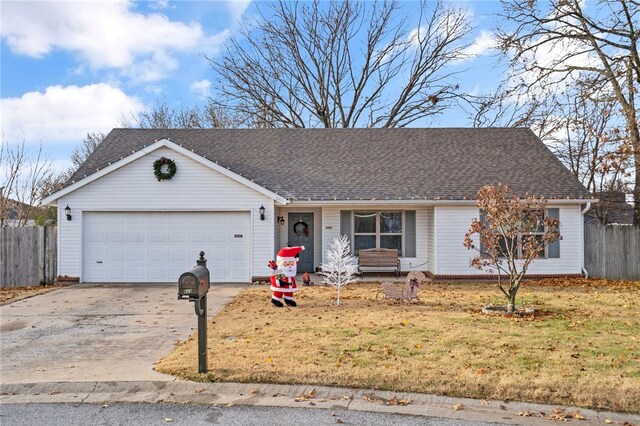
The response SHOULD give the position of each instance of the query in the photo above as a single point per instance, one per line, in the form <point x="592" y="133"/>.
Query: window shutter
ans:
<point x="553" y="249"/>
<point x="345" y="225"/>
<point x="409" y="233"/>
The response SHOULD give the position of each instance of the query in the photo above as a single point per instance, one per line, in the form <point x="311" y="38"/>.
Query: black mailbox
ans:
<point x="194" y="284"/>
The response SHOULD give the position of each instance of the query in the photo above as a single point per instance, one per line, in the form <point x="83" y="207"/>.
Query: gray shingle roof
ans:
<point x="327" y="164"/>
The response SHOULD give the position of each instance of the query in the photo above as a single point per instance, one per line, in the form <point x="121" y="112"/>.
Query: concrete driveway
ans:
<point x="107" y="332"/>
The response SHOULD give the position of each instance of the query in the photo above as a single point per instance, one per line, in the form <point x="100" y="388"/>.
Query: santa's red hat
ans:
<point x="289" y="252"/>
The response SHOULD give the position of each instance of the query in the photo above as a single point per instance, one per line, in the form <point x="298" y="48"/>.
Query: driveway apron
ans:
<point x="107" y="332"/>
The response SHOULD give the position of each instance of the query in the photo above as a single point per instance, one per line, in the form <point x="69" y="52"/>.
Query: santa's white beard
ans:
<point x="290" y="271"/>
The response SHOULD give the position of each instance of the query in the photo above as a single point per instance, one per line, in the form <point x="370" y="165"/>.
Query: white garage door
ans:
<point x="159" y="246"/>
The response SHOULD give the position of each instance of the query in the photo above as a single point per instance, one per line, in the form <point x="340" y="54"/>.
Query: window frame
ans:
<point x="377" y="233"/>
<point x="538" y="232"/>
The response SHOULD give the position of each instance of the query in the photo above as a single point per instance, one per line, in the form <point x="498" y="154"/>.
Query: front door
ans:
<point x="300" y="233"/>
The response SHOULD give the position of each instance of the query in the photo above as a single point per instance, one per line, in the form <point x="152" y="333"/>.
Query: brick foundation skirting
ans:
<point x="493" y="277"/>
<point x="440" y="277"/>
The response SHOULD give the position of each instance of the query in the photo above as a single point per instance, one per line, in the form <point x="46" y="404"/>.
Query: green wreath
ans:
<point x="157" y="168"/>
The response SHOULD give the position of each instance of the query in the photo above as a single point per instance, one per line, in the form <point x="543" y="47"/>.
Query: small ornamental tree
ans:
<point x="512" y="233"/>
<point x="341" y="267"/>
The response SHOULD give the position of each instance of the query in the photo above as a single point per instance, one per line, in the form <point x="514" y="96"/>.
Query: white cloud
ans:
<point x="155" y="89"/>
<point x="201" y="88"/>
<point x="63" y="114"/>
<point x="483" y="44"/>
<point x="159" y="4"/>
<point x="237" y="8"/>
<point x="104" y="35"/>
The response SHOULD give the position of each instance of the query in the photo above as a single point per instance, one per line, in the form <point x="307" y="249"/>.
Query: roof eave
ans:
<point x="423" y="202"/>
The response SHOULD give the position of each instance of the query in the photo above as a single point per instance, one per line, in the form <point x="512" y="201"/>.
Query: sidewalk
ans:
<point x="304" y="396"/>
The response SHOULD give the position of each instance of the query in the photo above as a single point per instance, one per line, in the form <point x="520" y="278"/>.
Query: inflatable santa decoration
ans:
<point x="283" y="277"/>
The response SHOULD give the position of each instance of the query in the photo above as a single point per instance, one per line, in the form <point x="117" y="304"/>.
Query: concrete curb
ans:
<point x="290" y="396"/>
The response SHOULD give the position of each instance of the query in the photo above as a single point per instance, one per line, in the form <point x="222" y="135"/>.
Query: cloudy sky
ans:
<point x="73" y="67"/>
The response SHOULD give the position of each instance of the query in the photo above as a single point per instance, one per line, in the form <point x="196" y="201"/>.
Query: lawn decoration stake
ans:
<point x="283" y="277"/>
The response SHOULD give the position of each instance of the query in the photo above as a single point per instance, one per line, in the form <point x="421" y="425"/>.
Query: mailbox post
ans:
<point x="194" y="286"/>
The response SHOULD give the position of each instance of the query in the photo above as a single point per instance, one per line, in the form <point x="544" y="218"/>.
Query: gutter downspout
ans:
<point x="583" y="212"/>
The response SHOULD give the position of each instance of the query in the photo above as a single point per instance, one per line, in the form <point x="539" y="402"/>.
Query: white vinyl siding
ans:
<point x="452" y="222"/>
<point x="331" y="230"/>
<point x="431" y="246"/>
<point x="134" y="187"/>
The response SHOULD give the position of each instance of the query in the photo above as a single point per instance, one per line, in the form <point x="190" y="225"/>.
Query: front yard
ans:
<point x="13" y="294"/>
<point x="582" y="348"/>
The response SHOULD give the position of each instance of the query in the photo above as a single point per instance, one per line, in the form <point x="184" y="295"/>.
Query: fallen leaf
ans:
<point x="339" y="421"/>
<point x="396" y="401"/>
<point x="458" y="407"/>
<point x="608" y="421"/>
<point x="576" y="415"/>
<point x="199" y="390"/>
<point x="524" y="413"/>
<point x="168" y="420"/>
<point x="304" y="397"/>
<point x="559" y="414"/>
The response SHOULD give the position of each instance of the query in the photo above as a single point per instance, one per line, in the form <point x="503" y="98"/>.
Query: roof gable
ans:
<point x="364" y="164"/>
<point x="145" y="150"/>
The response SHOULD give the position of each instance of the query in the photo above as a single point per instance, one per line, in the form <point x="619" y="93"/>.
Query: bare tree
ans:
<point x="211" y="116"/>
<point x="511" y="105"/>
<point x="560" y="40"/>
<point x="82" y="152"/>
<point x="583" y="132"/>
<point x="594" y="148"/>
<point x="343" y="64"/>
<point x="23" y="173"/>
<point x="511" y="235"/>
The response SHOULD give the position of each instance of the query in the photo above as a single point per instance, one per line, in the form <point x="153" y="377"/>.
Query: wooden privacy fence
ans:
<point x="612" y="251"/>
<point x="28" y="256"/>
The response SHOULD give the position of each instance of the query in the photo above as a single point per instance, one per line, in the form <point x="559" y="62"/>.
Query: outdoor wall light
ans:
<point x="67" y="211"/>
<point x="281" y="220"/>
<point x="261" y="209"/>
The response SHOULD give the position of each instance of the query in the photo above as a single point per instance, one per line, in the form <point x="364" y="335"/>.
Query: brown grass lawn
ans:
<point x="13" y="294"/>
<point x="582" y="348"/>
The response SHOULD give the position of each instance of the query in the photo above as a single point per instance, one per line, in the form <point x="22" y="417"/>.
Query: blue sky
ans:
<point x="69" y="68"/>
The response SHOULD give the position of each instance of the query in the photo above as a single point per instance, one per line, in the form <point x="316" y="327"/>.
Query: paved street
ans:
<point x="98" y="332"/>
<point x="200" y="415"/>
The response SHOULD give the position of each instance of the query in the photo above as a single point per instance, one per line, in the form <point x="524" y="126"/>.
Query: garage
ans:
<point x="159" y="246"/>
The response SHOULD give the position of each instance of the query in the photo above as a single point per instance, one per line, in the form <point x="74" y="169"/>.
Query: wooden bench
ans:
<point x="379" y="260"/>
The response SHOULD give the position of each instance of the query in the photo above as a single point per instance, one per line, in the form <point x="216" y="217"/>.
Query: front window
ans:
<point x="515" y="243"/>
<point x="375" y="229"/>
